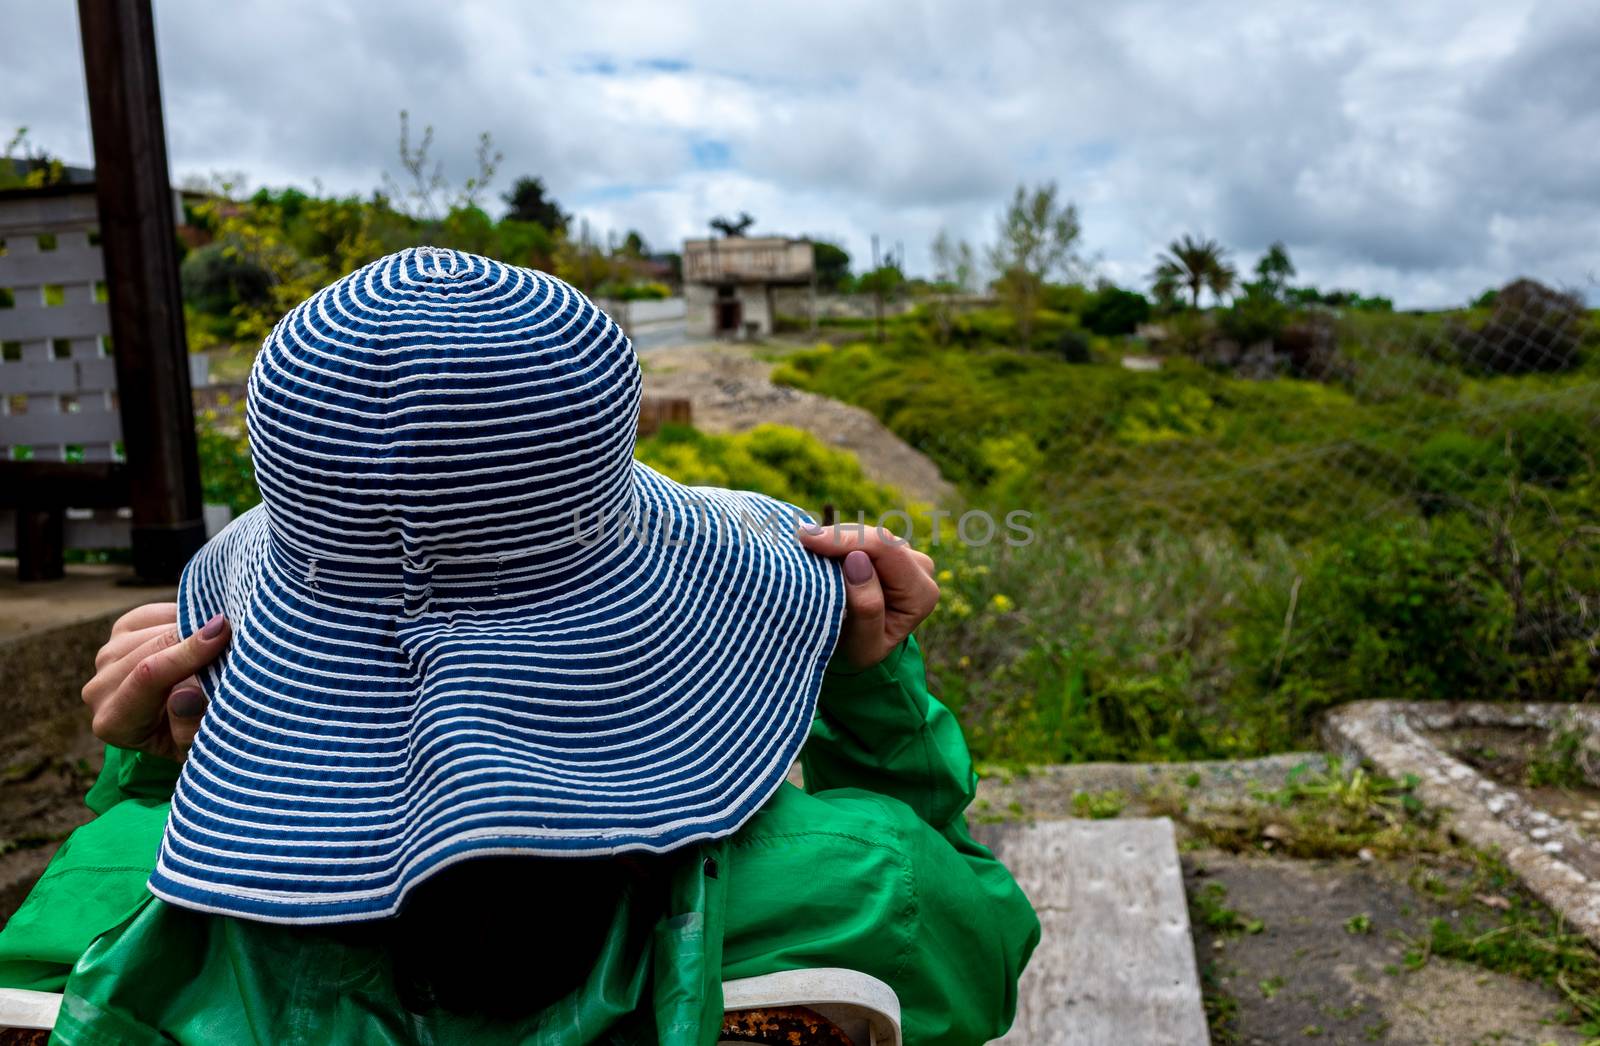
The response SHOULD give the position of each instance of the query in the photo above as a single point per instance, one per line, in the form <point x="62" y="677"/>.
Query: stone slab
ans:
<point x="1116" y="961"/>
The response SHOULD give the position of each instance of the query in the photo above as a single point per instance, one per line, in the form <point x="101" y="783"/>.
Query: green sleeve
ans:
<point x="131" y="775"/>
<point x="896" y="889"/>
<point x="881" y="730"/>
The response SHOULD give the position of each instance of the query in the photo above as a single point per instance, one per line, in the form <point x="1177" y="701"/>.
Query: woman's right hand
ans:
<point x="144" y="694"/>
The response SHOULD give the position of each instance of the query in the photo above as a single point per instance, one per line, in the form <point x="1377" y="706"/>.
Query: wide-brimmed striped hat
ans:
<point x="465" y="620"/>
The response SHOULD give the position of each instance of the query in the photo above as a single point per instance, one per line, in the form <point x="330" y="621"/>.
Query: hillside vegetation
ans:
<point x="1354" y="504"/>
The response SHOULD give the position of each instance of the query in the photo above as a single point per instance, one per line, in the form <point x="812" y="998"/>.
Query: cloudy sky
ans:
<point x="1423" y="150"/>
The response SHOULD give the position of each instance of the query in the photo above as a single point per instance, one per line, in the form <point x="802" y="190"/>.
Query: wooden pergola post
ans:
<point x="138" y="240"/>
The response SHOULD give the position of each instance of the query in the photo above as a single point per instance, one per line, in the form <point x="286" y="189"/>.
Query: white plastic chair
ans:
<point x="20" y="1008"/>
<point x="863" y="1007"/>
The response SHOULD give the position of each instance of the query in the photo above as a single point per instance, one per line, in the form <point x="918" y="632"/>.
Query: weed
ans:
<point x="1358" y="924"/>
<point x="1513" y="935"/>
<point x="1335" y="812"/>
<point x="1222" y="1009"/>
<point x="1098" y="806"/>
<point x="1210" y="911"/>
<point x="1557" y="762"/>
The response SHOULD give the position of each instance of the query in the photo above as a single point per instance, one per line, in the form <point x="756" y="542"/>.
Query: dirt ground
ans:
<point x="731" y="391"/>
<point x="1318" y="950"/>
<point x="41" y="802"/>
<point x="1305" y="977"/>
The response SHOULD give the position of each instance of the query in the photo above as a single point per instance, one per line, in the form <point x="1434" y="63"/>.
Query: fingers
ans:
<point x="863" y="636"/>
<point x="905" y="574"/>
<point x="185" y="705"/>
<point x="900" y="566"/>
<point x="130" y="696"/>
<point x="122" y="655"/>
<point x="146" y="616"/>
<point x="159" y="671"/>
<point x="121" y="644"/>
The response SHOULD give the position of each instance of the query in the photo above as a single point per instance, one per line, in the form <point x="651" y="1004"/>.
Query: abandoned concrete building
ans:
<point x="738" y="286"/>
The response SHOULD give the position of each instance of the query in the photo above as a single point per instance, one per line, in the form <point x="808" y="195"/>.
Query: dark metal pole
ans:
<point x="138" y="238"/>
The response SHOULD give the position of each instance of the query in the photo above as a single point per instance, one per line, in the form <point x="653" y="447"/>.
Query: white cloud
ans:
<point x="1423" y="150"/>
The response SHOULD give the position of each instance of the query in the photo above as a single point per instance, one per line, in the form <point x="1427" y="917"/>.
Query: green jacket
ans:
<point x="870" y="867"/>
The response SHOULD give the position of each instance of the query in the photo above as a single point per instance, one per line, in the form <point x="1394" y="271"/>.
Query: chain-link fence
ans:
<point x="1244" y="515"/>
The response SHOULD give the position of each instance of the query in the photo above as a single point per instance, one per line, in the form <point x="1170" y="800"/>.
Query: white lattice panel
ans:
<point x="57" y="381"/>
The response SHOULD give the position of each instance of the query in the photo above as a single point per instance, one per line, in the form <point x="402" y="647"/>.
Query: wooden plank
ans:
<point x="31" y="211"/>
<point x="54" y="427"/>
<point x="45" y="483"/>
<point x="33" y="377"/>
<point x="1116" y="962"/>
<point x="63" y="265"/>
<point x="80" y="320"/>
<point x="134" y="188"/>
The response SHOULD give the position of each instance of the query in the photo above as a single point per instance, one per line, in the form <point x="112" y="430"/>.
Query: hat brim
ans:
<point x="355" y="745"/>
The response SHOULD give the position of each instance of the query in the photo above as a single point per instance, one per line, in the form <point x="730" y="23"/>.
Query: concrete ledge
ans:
<point x="1556" y="861"/>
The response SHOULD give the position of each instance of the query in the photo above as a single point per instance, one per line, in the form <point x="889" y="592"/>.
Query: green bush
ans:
<point x="216" y="278"/>
<point x="1550" y="447"/>
<point x="782" y="462"/>
<point x="1455" y="466"/>
<point x="633" y="291"/>
<point x="1388" y="611"/>
<point x="1254" y="317"/>
<point x="1072" y="346"/>
<point x="1113" y="311"/>
<point x="227" y="476"/>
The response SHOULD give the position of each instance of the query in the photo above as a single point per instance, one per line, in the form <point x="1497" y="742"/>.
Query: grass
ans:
<point x="1503" y="929"/>
<point x="1333" y="813"/>
<point x="1556" y="763"/>
<point x="1099" y="805"/>
<point x="1208" y="908"/>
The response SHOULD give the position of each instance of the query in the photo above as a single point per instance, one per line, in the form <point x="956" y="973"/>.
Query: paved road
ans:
<point x="663" y="335"/>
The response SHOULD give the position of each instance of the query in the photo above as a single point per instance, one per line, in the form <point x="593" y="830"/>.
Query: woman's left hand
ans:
<point x="889" y="588"/>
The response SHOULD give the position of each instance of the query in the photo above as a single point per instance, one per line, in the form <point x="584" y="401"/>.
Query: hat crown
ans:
<point x="437" y="406"/>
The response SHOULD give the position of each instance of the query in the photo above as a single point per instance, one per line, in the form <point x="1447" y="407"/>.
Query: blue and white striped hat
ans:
<point x="465" y="620"/>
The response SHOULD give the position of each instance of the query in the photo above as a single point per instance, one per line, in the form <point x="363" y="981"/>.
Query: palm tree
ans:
<point x="1195" y="264"/>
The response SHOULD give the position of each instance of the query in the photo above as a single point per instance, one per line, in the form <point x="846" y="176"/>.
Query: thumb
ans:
<point x="864" y="609"/>
<point x="185" y="705"/>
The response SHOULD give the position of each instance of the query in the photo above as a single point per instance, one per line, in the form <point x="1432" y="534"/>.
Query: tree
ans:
<point x="25" y="165"/>
<point x="529" y="203"/>
<point x="1274" y="269"/>
<point x="1037" y="235"/>
<point x="832" y="263"/>
<point x="733" y="227"/>
<point x="954" y="269"/>
<point x="633" y="244"/>
<point x="582" y="262"/>
<point x="1167" y="291"/>
<point x="1196" y="265"/>
<point x="429" y="195"/>
<point x="1113" y="311"/>
<point x="883" y="283"/>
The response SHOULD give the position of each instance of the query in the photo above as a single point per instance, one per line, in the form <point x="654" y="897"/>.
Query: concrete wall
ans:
<point x="747" y="258"/>
<point x="700" y="315"/>
<point x="755" y="308"/>
<point x="793" y="302"/>
<point x="631" y="314"/>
